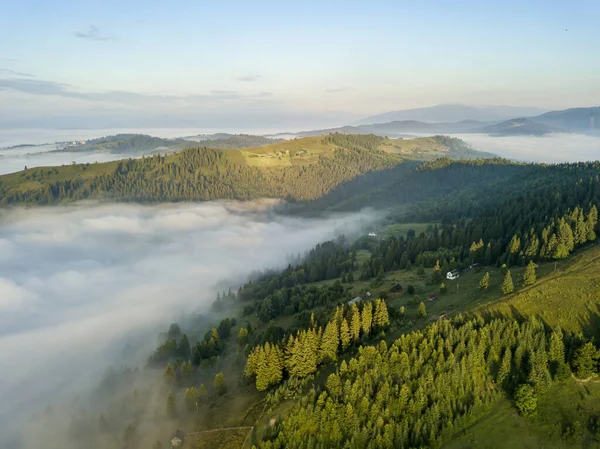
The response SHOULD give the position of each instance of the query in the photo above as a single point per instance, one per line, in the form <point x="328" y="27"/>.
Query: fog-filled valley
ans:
<point x="550" y="148"/>
<point x="90" y="286"/>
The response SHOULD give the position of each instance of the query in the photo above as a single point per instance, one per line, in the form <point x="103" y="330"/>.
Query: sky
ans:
<point x="248" y="64"/>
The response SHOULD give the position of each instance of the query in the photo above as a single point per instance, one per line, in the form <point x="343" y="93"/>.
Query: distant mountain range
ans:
<point x="454" y="113"/>
<point x="576" y="120"/>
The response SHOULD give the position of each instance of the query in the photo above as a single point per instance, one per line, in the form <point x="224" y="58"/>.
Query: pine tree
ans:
<point x="187" y="371"/>
<point x="592" y="223"/>
<point x="170" y="374"/>
<point x="421" y="311"/>
<point x="485" y="281"/>
<point x="381" y="318"/>
<point x="329" y="343"/>
<point x="355" y="323"/>
<point x="529" y="277"/>
<point x="345" y="336"/>
<point x="584" y="360"/>
<point x="507" y="285"/>
<point x="171" y="410"/>
<point x="243" y="337"/>
<point x="191" y="399"/>
<point x="505" y="366"/>
<point x="556" y="349"/>
<point x="366" y="320"/>
<point x="220" y="383"/>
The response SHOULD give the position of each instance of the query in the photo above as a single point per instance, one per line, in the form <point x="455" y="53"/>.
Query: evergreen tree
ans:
<point x="421" y="311"/>
<point x="329" y="342"/>
<point x="585" y="360"/>
<point x="592" y="223"/>
<point x="556" y="349"/>
<point x="191" y="399"/>
<point x="366" y="320"/>
<point x="220" y="383"/>
<point x="529" y="277"/>
<point x="170" y="374"/>
<point x="381" y="318"/>
<point x="507" y="285"/>
<point x="345" y="336"/>
<point x="484" y="283"/>
<point x="525" y="400"/>
<point x="171" y="410"/>
<point x="355" y="323"/>
<point x="243" y="337"/>
<point x="187" y="371"/>
<point x="505" y="367"/>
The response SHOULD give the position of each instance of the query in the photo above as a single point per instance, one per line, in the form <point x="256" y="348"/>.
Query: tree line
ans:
<point x="430" y="384"/>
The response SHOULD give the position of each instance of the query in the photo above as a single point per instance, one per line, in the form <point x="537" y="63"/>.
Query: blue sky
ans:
<point x="334" y="60"/>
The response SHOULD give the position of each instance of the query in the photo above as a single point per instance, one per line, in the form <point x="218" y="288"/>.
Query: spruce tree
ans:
<point x="556" y="349"/>
<point x="485" y="281"/>
<point x="171" y="410"/>
<point x="422" y="310"/>
<point x="355" y="323"/>
<point x="220" y="383"/>
<point x="529" y="277"/>
<point x="243" y="337"/>
<point x="585" y="360"/>
<point x="505" y="366"/>
<point x="381" y="318"/>
<point x="329" y="343"/>
<point x="170" y="374"/>
<point x="366" y="320"/>
<point x="507" y="285"/>
<point x="191" y="399"/>
<point x="345" y="336"/>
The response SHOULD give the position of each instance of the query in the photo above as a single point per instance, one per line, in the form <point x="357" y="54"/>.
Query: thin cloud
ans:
<point x="336" y="89"/>
<point x="251" y="77"/>
<point x="92" y="33"/>
<point x="224" y="93"/>
<point x="14" y="72"/>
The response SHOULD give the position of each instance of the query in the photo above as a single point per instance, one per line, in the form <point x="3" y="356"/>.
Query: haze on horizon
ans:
<point x="267" y="64"/>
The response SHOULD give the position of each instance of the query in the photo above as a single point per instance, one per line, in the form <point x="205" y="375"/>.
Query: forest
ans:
<point x="201" y="174"/>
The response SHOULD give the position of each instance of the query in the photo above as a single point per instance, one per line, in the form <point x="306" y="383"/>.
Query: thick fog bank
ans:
<point x="78" y="283"/>
<point x="551" y="148"/>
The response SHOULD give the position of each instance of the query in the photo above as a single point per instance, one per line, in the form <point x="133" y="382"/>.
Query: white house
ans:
<point x="452" y="275"/>
<point x="355" y="300"/>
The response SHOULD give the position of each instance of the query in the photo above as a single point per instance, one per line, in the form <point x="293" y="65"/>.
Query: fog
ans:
<point x="551" y="148"/>
<point x="78" y="283"/>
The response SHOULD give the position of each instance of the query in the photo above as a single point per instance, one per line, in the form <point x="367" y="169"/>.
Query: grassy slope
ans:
<point x="298" y="152"/>
<point x="564" y="404"/>
<point x="561" y="296"/>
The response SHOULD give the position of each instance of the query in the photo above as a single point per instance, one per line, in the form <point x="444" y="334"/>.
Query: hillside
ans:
<point x="453" y="113"/>
<point x="300" y="169"/>
<point x="232" y="141"/>
<point x="573" y="119"/>
<point x="405" y="127"/>
<point x="124" y="144"/>
<point x="519" y="127"/>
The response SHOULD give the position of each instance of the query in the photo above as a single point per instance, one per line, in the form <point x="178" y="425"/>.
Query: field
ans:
<point x="569" y="297"/>
<point x="558" y="410"/>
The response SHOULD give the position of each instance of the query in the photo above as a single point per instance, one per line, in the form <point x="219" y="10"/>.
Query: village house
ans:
<point x="452" y="275"/>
